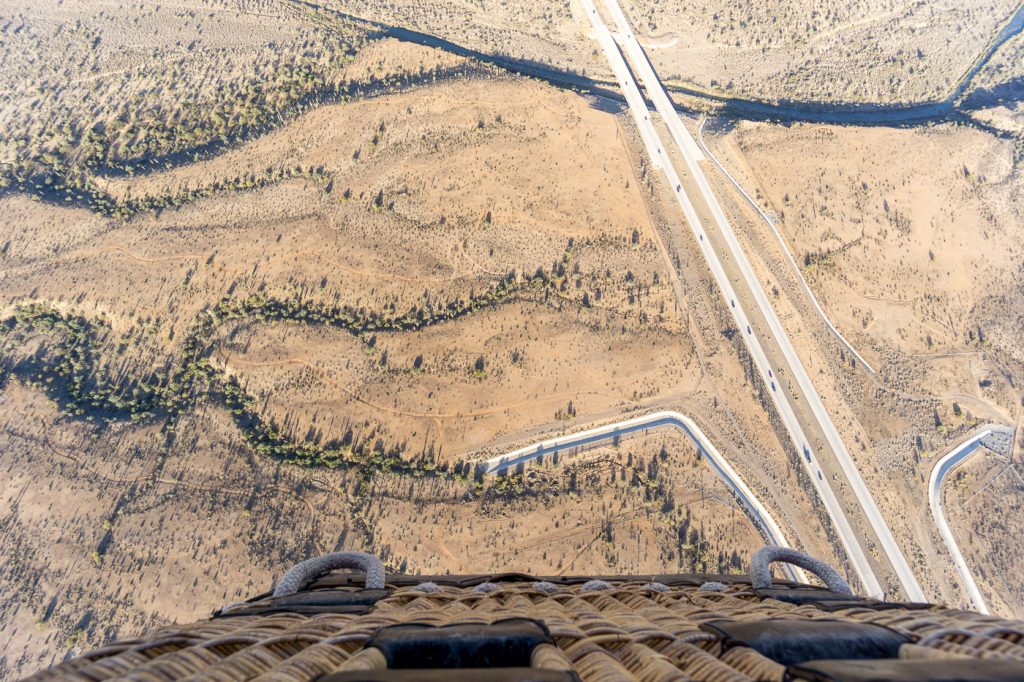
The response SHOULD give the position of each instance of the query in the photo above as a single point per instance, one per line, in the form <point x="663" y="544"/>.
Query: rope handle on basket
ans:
<point x="761" y="572"/>
<point x="302" y="573"/>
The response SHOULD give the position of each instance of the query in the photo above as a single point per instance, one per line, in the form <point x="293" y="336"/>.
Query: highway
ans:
<point x="940" y="470"/>
<point x="610" y="433"/>
<point x="783" y="245"/>
<point x="877" y="113"/>
<point x="634" y="100"/>
<point x="775" y="337"/>
<point x="662" y="104"/>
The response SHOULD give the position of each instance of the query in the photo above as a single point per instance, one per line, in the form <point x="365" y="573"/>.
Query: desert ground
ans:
<point x="986" y="494"/>
<point x="863" y="52"/>
<point x="908" y="237"/>
<point x="373" y="290"/>
<point x="275" y="279"/>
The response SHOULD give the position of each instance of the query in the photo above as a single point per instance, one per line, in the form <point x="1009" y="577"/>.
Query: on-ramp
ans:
<point x="610" y="433"/>
<point x="940" y="470"/>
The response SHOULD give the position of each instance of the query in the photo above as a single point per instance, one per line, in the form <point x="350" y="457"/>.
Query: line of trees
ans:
<point x="66" y="370"/>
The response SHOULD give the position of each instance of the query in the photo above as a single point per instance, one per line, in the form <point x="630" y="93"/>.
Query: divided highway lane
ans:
<point x="782" y="243"/>
<point x="652" y="84"/>
<point x="609" y="433"/>
<point x="850" y="540"/>
<point x="634" y="99"/>
<point x="846" y="534"/>
<point x="944" y="466"/>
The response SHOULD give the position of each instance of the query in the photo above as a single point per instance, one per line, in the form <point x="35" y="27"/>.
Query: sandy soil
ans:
<point x="383" y="177"/>
<point x="907" y="238"/>
<point x="867" y="51"/>
<point x="456" y="186"/>
<point x="983" y="502"/>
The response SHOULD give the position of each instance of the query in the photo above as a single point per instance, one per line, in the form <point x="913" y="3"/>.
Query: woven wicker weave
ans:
<point x="629" y="631"/>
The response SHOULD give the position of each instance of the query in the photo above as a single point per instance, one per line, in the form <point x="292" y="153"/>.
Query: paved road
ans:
<point x="811" y="111"/>
<point x="783" y="245"/>
<point x="753" y="336"/>
<point x="602" y="435"/>
<point x="630" y="90"/>
<point x="638" y="60"/>
<point x="940" y="470"/>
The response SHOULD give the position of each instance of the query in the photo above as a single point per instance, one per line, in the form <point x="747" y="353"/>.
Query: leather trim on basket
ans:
<point x="789" y="641"/>
<point x="890" y="670"/>
<point x="458" y="675"/>
<point x="506" y="643"/>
